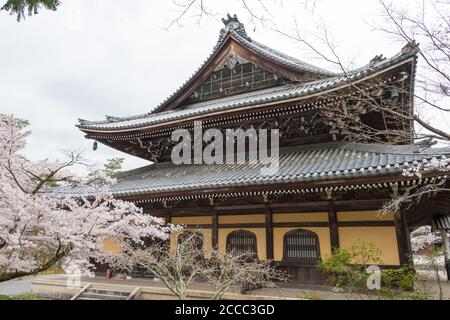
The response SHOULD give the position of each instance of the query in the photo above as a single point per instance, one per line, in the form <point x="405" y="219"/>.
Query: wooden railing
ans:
<point x="134" y="293"/>
<point x="75" y="297"/>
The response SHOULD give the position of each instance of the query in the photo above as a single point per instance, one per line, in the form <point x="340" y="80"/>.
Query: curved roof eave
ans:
<point x="323" y="163"/>
<point x="263" y="97"/>
<point x="273" y="55"/>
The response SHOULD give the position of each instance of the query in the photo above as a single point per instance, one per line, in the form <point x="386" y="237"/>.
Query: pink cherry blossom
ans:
<point x="40" y="227"/>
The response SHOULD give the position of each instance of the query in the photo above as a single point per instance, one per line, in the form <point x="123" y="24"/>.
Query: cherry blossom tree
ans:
<point x="180" y="266"/>
<point x="426" y="256"/>
<point x="422" y="238"/>
<point x="40" y="227"/>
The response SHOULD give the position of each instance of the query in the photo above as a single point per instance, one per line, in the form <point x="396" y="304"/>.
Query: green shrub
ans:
<point x="347" y="266"/>
<point x="347" y="269"/>
<point x="399" y="284"/>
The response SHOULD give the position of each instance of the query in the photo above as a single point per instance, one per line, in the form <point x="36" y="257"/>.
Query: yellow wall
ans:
<point x="111" y="246"/>
<point x="260" y="239"/>
<point x="278" y="236"/>
<point x="207" y="246"/>
<point x="301" y="217"/>
<point x="191" y="220"/>
<point x="256" y="218"/>
<point x="384" y="238"/>
<point x="364" y="216"/>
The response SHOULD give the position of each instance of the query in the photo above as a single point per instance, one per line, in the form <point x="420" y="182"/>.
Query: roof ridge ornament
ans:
<point x="411" y="47"/>
<point x="232" y="23"/>
<point x="377" y="59"/>
<point x="112" y="118"/>
<point x="424" y="145"/>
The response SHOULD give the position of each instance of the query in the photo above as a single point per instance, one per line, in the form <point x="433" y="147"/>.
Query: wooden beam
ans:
<point x="301" y="224"/>
<point x="215" y="229"/>
<point x="445" y="242"/>
<point x="292" y="207"/>
<point x="403" y="238"/>
<point x="317" y="224"/>
<point x="169" y="216"/>
<point x="275" y="225"/>
<point x="334" y="227"/>
<point x="269" y="234"/>
<point x="371" y="223"/>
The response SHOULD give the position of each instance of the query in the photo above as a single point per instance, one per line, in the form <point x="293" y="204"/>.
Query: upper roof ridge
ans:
<point x="232" y="23"/>
<point x="404" y="149"/>
<point x="235" y="29"/>
<point x="265" y="95"/>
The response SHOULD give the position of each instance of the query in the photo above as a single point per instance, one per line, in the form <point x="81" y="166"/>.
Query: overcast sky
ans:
<point x="96" y="57"/>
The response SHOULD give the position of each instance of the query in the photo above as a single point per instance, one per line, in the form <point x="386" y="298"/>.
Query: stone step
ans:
<point x="111" y="292"/>
<point x="85" y="298"/>
<point x="98" y="296"/>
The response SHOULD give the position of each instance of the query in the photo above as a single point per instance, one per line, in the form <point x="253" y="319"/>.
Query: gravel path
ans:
<point x="14" y="287"/>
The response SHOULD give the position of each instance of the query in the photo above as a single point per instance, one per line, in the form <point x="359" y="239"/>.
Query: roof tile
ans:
<point x="325" y="161"/>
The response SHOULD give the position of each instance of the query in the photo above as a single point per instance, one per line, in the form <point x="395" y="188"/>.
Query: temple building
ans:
<point x="328" y="189"/>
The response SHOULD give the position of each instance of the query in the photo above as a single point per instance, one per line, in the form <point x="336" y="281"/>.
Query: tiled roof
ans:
<point x="241" y="37"/>
<point x="325" y="161"/>
<point x="237" y="30"/>
<point x="247" y="99"/>
<point x="259" y="48"/>
<point x="280" y="57"/>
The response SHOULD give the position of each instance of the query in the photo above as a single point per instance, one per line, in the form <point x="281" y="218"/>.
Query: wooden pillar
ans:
<point x="444" y="236"/>
<point x="333" y="224"/>
<point x="214" y="229"/>
<point x="445" y="242"/>
<point x="269" y="233"/>
<point x="403" y="238"/>
<point x="169" y="216"/>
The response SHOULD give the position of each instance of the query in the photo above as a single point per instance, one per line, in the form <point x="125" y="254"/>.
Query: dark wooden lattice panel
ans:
<point x="242" y="242"/>
<point x="243" y="77"/>
<point x="301" y="246"/>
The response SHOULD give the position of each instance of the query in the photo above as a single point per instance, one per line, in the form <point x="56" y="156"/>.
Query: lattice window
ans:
<point x="242" y="77"/>
<point x="197" y="236"/>
<point x="301" y="246"/>
<point x="242" y="242"/>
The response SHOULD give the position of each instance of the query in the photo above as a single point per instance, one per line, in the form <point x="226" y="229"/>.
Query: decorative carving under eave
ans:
<point x="272" y="199"/>
<point x="237" y="201"/>
<point x="301" y="126"/>
<point x="230" y="61"/>
<point x="156" y="148"/>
